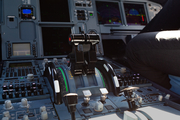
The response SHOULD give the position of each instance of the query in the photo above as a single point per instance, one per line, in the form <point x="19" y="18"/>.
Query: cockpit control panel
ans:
<point x="56" y="65"/>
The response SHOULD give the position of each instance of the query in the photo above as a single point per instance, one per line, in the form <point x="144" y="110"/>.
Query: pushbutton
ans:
<point x="121" y="83"/>
<point x="133" y="82"/>
<point x="35" y="92"/>
<point x="125" y="83"/>
<point x="23" y="93"/>
<point x="10" y="86"/>
<point x="33" y="84"/>
<point x="4" y="87"/>
<point x="137" y="81"/>
<point x="10" y="95"/>
<point x="17" y="87"/>
<point x="39" y="86"/>
<point x="28" y="86"/>
<point x="22" y="87"/>
<point x="16" y="94"/>
<point x="129" y="82"/>
<point x="4" y="95"/>
<point x="29" y="93"/>
<point x="41" y="91"/>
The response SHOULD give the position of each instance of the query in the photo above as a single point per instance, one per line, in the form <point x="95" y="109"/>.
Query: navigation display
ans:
<point x="55" y="41"/>
<point x="108" y="13"/>
<point x="135" y="14"/>
<point x="21" y="49"/>
<point x="54" y="11"/>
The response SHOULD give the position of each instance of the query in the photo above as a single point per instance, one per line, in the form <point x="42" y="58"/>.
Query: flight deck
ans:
<point x="64" y="60"/>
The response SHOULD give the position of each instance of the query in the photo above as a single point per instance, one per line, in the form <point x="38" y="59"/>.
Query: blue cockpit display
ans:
<point x="26" y="11"/>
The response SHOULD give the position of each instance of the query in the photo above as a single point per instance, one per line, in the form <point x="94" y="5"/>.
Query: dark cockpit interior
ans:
<point x="79" y="60"/>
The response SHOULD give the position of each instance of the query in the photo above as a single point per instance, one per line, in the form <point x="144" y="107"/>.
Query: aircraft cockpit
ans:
<point x="66" y="60"/>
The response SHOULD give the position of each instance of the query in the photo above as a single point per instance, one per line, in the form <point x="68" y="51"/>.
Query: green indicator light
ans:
<point x="107" y="5"/>
<point x="21" y="77"/>
<point x="91" y="14"/>
<point x="101" y="78"/>
<point x="64" y="79"/>
<point x="110" y="21"/>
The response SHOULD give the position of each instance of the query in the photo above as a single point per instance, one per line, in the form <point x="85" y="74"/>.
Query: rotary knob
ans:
<point x="25" y="117"/>
<point x="5" y="118"/>
<point x="42" y="109"/>
<point x="44" y="115"/>
<point x="24" y="102"/>
<point x="8" y="105"/>
<point x="6" y="114"/>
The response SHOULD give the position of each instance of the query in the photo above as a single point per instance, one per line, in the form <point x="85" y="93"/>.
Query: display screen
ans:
<point x="135" y="14"/>
<point x="55" y="41"/>
<point x="26" y="13"/>
<point x="21" y="49"/>
<point x="54" y="11"/>
<point x="26" y="64"/>
<point x="108" y="12"/>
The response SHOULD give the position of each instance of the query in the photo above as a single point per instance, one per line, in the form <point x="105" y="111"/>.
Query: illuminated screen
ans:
<point x="55" y="41"/>
<point x="26" y="13"/>
<point x="135" y="14"/>
<point x="54" y="11"/>
<point x="108" y="12"/>
<point x="21" y="49"/>
<point x="26" y="64"/>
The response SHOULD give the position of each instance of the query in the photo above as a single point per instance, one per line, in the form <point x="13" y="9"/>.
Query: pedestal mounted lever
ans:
<point x="87" y="94"/>
<point x="71" y="100"/>
<point x="130" y="97"/>
<point x="104" y="92"/>
<point x="83" y="62"/>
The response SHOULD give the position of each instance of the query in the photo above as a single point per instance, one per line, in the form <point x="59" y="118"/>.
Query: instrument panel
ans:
<point x="33" y="26"/>
<point x="53" y="65"/>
